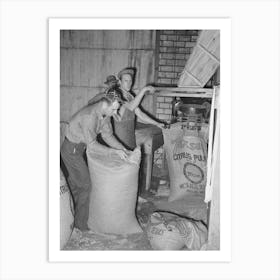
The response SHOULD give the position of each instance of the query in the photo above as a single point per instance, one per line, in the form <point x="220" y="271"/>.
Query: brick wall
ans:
<point x="173" y="48"/>
<point x="164" y="108"/>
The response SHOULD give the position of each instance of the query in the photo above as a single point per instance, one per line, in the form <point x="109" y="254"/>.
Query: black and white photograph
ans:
<point x="139" y="139"/>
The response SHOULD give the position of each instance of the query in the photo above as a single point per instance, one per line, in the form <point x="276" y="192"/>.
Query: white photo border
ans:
<point x="57" y="24"/>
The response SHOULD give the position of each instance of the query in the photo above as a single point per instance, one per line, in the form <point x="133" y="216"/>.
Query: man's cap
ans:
<point x="113" y="94"/>
<point x="111" y="80"/>
<point x="128" y="70"/>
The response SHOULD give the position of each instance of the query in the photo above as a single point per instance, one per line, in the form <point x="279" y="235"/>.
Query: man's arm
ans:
<point x="88" y="127"/>
<point x="132" y="105"/>
<point x="116" y="147"/>
<point x="95" y="99"/>
<point x="109" y="138"/>
<point x="101" y="149"/>
<point x="113" y="142"/>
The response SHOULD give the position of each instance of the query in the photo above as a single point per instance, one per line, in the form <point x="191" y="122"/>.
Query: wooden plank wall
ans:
<point x="87" y="57"/>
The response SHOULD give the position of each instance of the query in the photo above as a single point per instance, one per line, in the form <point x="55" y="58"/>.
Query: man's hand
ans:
<point x="151" y="89"/>
<point x="161" y="125"/>
<point x="123" y="154"/>
<point x="147" y="88"/>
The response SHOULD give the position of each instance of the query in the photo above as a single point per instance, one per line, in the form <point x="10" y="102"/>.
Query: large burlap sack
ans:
<point x="168" y="231"/>
<point x="186" y="155"/>
<point x="114" y="193"/>
<point x="193" y="232"/>
<point x="163" y="233"/>
<point x="66" y="212"/>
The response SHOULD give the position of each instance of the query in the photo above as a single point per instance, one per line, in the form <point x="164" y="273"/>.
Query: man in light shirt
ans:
<point x="80" y="134"/>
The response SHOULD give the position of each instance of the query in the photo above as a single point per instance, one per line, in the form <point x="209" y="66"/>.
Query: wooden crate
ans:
<point x="204" y="60"/>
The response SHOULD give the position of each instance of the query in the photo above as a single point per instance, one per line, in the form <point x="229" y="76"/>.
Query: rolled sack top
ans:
<point x="113" y="160"/>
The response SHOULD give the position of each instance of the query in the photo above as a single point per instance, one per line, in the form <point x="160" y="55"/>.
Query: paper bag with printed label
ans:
<point x="186" y="155"/>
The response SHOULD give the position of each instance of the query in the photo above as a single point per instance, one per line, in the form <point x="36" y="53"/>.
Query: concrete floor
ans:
<point x="95" y="241"/>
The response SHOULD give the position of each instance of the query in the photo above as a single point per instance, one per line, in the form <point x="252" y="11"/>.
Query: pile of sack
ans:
<point x="169" y="231"/>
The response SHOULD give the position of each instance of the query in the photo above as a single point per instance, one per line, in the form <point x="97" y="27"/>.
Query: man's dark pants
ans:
<point x="79" y="180"/>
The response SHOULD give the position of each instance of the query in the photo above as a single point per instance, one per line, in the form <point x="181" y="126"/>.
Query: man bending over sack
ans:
<point x="80" y="134"/>
<point x="124" y="127"/>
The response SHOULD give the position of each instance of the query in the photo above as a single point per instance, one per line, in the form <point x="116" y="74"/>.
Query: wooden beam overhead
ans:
<point x="185" y="89"/>
<point x="184" y="94"/>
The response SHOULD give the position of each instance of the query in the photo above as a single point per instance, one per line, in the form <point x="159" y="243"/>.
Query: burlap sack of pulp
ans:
<point x="66" y="212"/>
<point x="186" y="155"/>
<point x="168" y="231"/>
<point x="114" y="192"/>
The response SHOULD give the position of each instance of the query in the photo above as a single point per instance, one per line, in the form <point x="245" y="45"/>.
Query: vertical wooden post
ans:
<point x="214" y="188"/>
<point x="214" y="215"/>
<point x="208" y="188"/>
